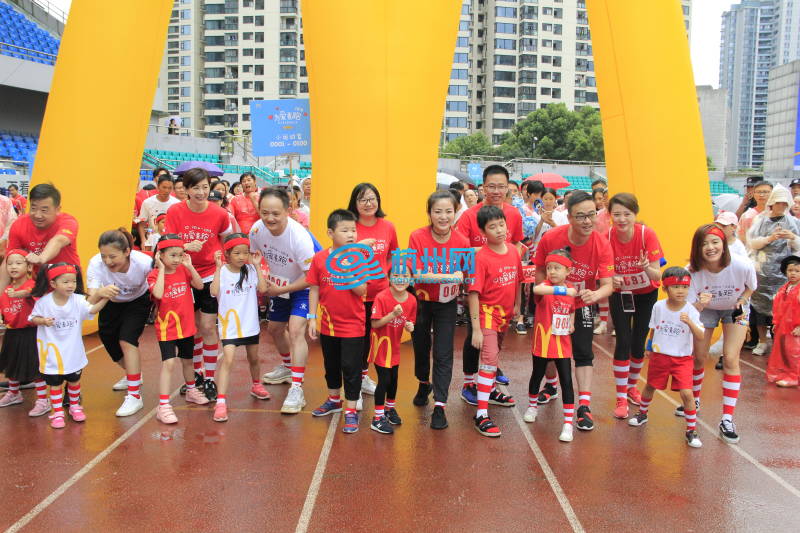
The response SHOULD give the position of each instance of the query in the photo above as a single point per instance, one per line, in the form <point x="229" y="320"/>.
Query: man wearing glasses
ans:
<point x="761" y="192"/>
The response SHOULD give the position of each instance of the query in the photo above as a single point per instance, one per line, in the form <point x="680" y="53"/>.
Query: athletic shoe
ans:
<point x="602" y="329"/>
<point x="421" y="398"/>
<point x="166" y="415"/>
<point x="183" y="389"/>
<point x="693" y="440"/>
<point x="76" y="412"/>
<point x="786" y="383"/>
<point x="367" y="385"/>
<point x="566" y="433"/>
<point x="120" y="385"/>
<point x="727" y="429"/>
<point x="279" y="374"/>
<point x="11" y="398"/>
<point x="360" y="402"/>
<point x="438" y="418"/>
<point x="210" y="390"/>
<point x="295" y="400"/>
<point x="485" y="426"/>
<point x="195" y="395"/>
<point x="469" y="393"/>
<point x="382" y="425"/>
<point x="198" y="382"/>
<point x="498" y="398"/>
<point x="221" y="412"/>
<point x="57" y="421"/>
<point x="584" y="417"/>
<point x="258" y="391"/>
<point x="719" y="365"/>
<point x="621" y="410"/>
<point x="547" y="393"/>
<point x="530" y="414"/>
<point x="749" y="345"/>
<point x="634" y="396"/>
<point x="679" y="409"/>
<point x="41" y="407"/>
<point x="22" y="385"/>
<point x="130" y="405"/>
<point x="350" y="423"/>
<point x="639" y="419"/>
<point x="762" y="348"/>
<point x="328" y="408"/>
<point x="501" y="378"/>
<point x="521" y="329"/>
<point x="393" y="418"/>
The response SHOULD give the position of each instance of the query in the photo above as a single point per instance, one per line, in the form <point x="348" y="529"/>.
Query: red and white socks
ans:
<point x="57" y="401"/>
<point x="584" y="398"/>
<point x="730" y="393"/>
<point x="13" y="387"/>
<point x="552" y="382"/>
<point x="379" y="410"/>
<point x="691" y="419"/>
<point x="635" y="370"/>
<point x="163" y="399"/>
<point x="197" y="355"/>
<point x="569" y="413"/>
<point x="533" y="401"/>
<point x="621" y="378"/>
<point x="298" y="373"/>
<point x="286" y="359"/>
<point x="697" y="383"/>
<point x="41" y="389"/>
<point x="469" y="380"/>
<point x="336" y="398"/>
<point x="644" y="405"/>
<point x="210" y="359"/>
<point x="486" y="376"/>
<point x="439" y="404"/>
<point x="222" y="399"/>
<point x="389" y="403"/>
<point x="134" y="383"/>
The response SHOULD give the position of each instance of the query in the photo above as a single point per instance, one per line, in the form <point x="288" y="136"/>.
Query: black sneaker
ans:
<point x="498" y="398"/>
<point x="183" y="389"/>
<point x="584" y="417"/>
<point x="393" y="418"/>
<point x="65" y="399"/>
<point x="210" y="390"/>
<point x="421" y="397"/>
<point x="485" y="426"/>
<point x="692" y="439"/>
<point x="727" y="429"/>
<point x="438" y="419"/>
<point x="639" y="419"/>
<point x="679" y="409"/>
<point x="382" y="425"/>
<point x="718" y="366"/>
<point x="521" y="329"/>
<point x="548" y="393"/>
<point x="199" y="380"/>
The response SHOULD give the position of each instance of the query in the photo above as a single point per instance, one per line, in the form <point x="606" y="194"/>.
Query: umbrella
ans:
<point x="549" y="179"/>
<point x="727" y="202"/>
<point x="445" y="179"/>
<point x="456" y="174"/>
<point x="211" y="168"/>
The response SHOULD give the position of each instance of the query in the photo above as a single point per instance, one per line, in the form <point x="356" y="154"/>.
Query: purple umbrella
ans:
<point x="211" y="168"/>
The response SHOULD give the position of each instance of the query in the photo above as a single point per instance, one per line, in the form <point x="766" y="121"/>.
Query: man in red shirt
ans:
<point x="593" y="264"/>
<point x="17" y="200"/>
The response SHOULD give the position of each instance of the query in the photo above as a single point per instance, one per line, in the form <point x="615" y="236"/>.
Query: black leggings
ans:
<point x="631" y="328"/>
<point x="367" y="331"/>
<point x="441" y="317"/>
<point x="387" y="383"/>
<point x="470" y="355"/>
<point x="564" y="368"/>
<point x="342" y="356"/>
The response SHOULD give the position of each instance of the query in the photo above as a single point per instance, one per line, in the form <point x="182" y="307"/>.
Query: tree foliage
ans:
<point x="475" y="144"/>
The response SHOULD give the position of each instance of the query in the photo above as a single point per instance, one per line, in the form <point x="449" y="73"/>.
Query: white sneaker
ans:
<point x="360" y="402"/>
<point x="130" y="406"/>
<point x="716" y="348"/>
<point x="601" y="329"/>
<point x="762" y="348"/>
<point x="279" y="374"/>
<point x="295" y="400"/>
<point x="368" y="386"/>
<point x="530" y="415"/>
<point x="120" y="385"/>
<point x="566" y="433"/>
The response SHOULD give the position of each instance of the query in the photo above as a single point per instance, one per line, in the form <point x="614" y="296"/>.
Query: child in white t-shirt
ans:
<point x="152" y="240"/>
<point x="674" y="324"/>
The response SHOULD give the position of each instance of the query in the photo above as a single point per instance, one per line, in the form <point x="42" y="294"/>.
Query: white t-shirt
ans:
<point x="152" y="240"/>
<point x="152" y="207"/>
<point x="737" y="248"/>
<point x="725" y="286"/>
<point x="238" y="308"/>
<point x="61" y="349"/>
<point x="288" y="255"/>
<point x="670" y="335"/>
<point x="132" y="284"/>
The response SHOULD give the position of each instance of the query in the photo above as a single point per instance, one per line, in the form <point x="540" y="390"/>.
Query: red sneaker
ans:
<point x="258" y="391"/>
<point x="221" y="412"/>
<point x="621" y="410"/>
<point x="634" y="396"/>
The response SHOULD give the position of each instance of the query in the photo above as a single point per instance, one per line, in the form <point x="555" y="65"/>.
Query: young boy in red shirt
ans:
<point x="494" y="300"/>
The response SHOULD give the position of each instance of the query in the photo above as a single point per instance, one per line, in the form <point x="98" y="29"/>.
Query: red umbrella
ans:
<point x="550" y="179"/>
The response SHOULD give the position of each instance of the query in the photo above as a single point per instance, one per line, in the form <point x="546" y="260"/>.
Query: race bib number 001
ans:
<point x="448" y="291"/>
<point x="560" y="325"/>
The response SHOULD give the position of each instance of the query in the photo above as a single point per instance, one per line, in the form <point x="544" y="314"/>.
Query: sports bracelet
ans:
<point x="560" y="291"/>
<point x="309" y="316"/>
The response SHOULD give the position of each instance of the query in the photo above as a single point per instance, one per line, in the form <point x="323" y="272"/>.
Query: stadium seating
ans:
<point x="23" y="39"/>
<point x="18" y="146"/>
<point x="172" y="157"/>
<point x="720" y="187"/>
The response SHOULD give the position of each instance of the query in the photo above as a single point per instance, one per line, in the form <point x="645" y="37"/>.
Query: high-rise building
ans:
<point x="782" y="154"/>
<point x="714" y="116"/>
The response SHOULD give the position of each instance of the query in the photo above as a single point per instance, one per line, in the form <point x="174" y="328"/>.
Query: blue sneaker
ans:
<point x="350" y="423"/>
<point x="328" y="408"/>
<point x="469" y="393"/>
<point x="502" y="380"/>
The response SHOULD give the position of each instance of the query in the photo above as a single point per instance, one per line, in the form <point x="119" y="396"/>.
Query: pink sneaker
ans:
<point x="621" y="410"/>
<point x="57" y="421"/>
<point x="221" y="412"/>
<point x="258" y="391"/>
<point x="166" y="415"/>
<point x="10" y="398"/>
<point x="77" y="414"/>
<point x="41" y="407"/>
<point x="195" y="396"/>
<point x="634" y="396"/>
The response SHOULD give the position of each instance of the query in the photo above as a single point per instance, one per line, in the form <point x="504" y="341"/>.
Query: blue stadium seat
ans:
<point x="17" y="30"/>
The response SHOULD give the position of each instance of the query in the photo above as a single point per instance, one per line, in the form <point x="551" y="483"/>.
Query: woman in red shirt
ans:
<point x="244" y="207"/>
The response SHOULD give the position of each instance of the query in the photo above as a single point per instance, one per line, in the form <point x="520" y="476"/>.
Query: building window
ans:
<point x="460" y="58"/>
<point x="527" y="76"/>
<point x="259" y="53"/>
<point x="215" y="40"/>
<point x="173" y="106"/>
<point x="503" y="123"/>
<point x="215" y="56"/>
<point x="186" y="29"/>
<point x="186" y="14"/>
<point x="247" y="85"/>
<point x="504" y="75"/>
<point x="215" y="72"/>
<point x="304" y="87"/>
<point x="186" y="76"/>
<point x="173" y="60"/>
<point x="247" y="36"/>
<point x="186" y="45"/>
<point x="457" y="90"/>
<point x="545" y="91"/>
<point x="505" y="92"/>
<point x="287" y="87"/>
<point x="259" y="36"/>
<point x="186" y="61"/>
<point x="463" y="25"/>
<point x="462" y="42"/>
<point x="459" y="74"/>
<point x="288" y="72"/>
<point x="505" y="60"/>
<point x="186" y="91"/>
<point x="503" y="107"/>
<point x="453" y="105"/>
<point x="259" y="20"/>
<point x="505" y="44"/>
<point x="245" y="20"/>
<point x="259" y="86"/>
<point x="510" y="12"/>
<point x="247" y="52"/>
<point x="259" y="70"/>
<point x="527" y="93"/>
<point x="231" y="55"/>
<point x="456" y="122"/>
<point x="186" y="107"/>
<point x="505" y="27"/>
<point x="288" y="55"/>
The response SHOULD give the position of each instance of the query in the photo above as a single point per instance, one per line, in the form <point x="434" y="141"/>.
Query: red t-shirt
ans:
<point x="385" y="241"/>
<point x="468" y="225"/>
<point x="551" y="336"/>
<point x="206" y="227"/>
<point x="341" y="311"/>
<point x="141" y="196"/>
<point x="175" y="316"/>
<point x="17" y="310"/>
<point x="24" y="235"/>
<point x="497" y="279"/>
<point x="384" y="348"/>
<point x="243" y="209"/>
<point x="423" y="243"/>
<point x="19" y="203"/>
<point x="626" y="258"/>
<point x="591" y="261"/>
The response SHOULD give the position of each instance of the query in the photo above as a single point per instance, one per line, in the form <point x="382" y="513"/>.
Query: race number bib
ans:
<point x="631" y="282"/>
<point x="280" y="281"/>
<point x="448" y="291"/>
<point x="560" y="325"/>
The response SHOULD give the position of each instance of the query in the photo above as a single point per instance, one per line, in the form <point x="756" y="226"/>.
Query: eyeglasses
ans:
<point x="583" y="217"/>
<point x="762" y="193"/>
<point x="495" y="187"/>
<point x="365" y="201"/>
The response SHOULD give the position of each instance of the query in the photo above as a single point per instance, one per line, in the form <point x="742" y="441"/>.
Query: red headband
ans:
<point x="161" y="217"/>
<point x="16" y="251"/>
<point x="54" y="272"/>
<point x="677" y="280"/>
<point x="236" y="242"/>
<point x="169" y="243"/>
<point x="560" y="259"/>
<point x="713" y="230"/>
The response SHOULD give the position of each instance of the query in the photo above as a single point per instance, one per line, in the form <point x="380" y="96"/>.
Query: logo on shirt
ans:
<point x="352" y="265"/>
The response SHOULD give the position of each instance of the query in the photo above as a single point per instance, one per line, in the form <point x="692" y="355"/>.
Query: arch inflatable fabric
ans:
<point x="94" y="129"/>
<point x="651" y="120"/>
<point x="378" y="76"/>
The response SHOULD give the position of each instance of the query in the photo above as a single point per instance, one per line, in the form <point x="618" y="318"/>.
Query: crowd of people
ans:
<point x="207" y="263"/>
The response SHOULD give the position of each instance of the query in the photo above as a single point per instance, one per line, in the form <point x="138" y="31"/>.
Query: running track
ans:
<point x="265" y="470"/>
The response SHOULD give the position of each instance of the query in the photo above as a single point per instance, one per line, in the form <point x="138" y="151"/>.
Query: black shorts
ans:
<point x="582" y="337"/>
<point x="123" y="321"/>
<point x="56" y="380"/>
<point x="204" y="301"/>
<point x="185" y="348"/>
<point x="244" y="341"/>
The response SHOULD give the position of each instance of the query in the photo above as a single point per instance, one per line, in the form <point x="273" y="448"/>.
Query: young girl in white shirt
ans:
<point x="235" y="286"/>
<point x="59" y="314"/>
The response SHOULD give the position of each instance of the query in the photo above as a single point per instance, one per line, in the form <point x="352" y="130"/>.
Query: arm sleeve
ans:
<point x="652" y="245"/>
<point x="171" y="224"/>
<point x="654" y="316"/>
<point x="312" y="274"/>
<point x="605" y="267"/>
<point x="516" y="232"/>
<point x="37" y="309"/>
<point x="14" y="238"/>
<point x="85" y="308"/>
<point x="478" y="279"/>
<point x="93" y="275"/>
<point x="304" y="253"/>
<point x="691" y="297"/>
<point x="378" y="311"/>
<point x="68" y="227"/>
<point x="751" y="282"/>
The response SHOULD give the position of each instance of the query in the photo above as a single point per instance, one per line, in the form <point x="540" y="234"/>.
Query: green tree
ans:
<point x="556" y="133"/>
<point x="475" y="144"/>
<point x="710" y="163"/>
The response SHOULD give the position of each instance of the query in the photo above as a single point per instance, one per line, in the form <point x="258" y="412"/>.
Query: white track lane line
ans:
<point x="738" y="449"/>
<point x="316" y="480"/>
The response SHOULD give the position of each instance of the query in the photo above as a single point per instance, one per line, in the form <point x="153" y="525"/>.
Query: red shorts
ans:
<point x="663" y="366"/>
